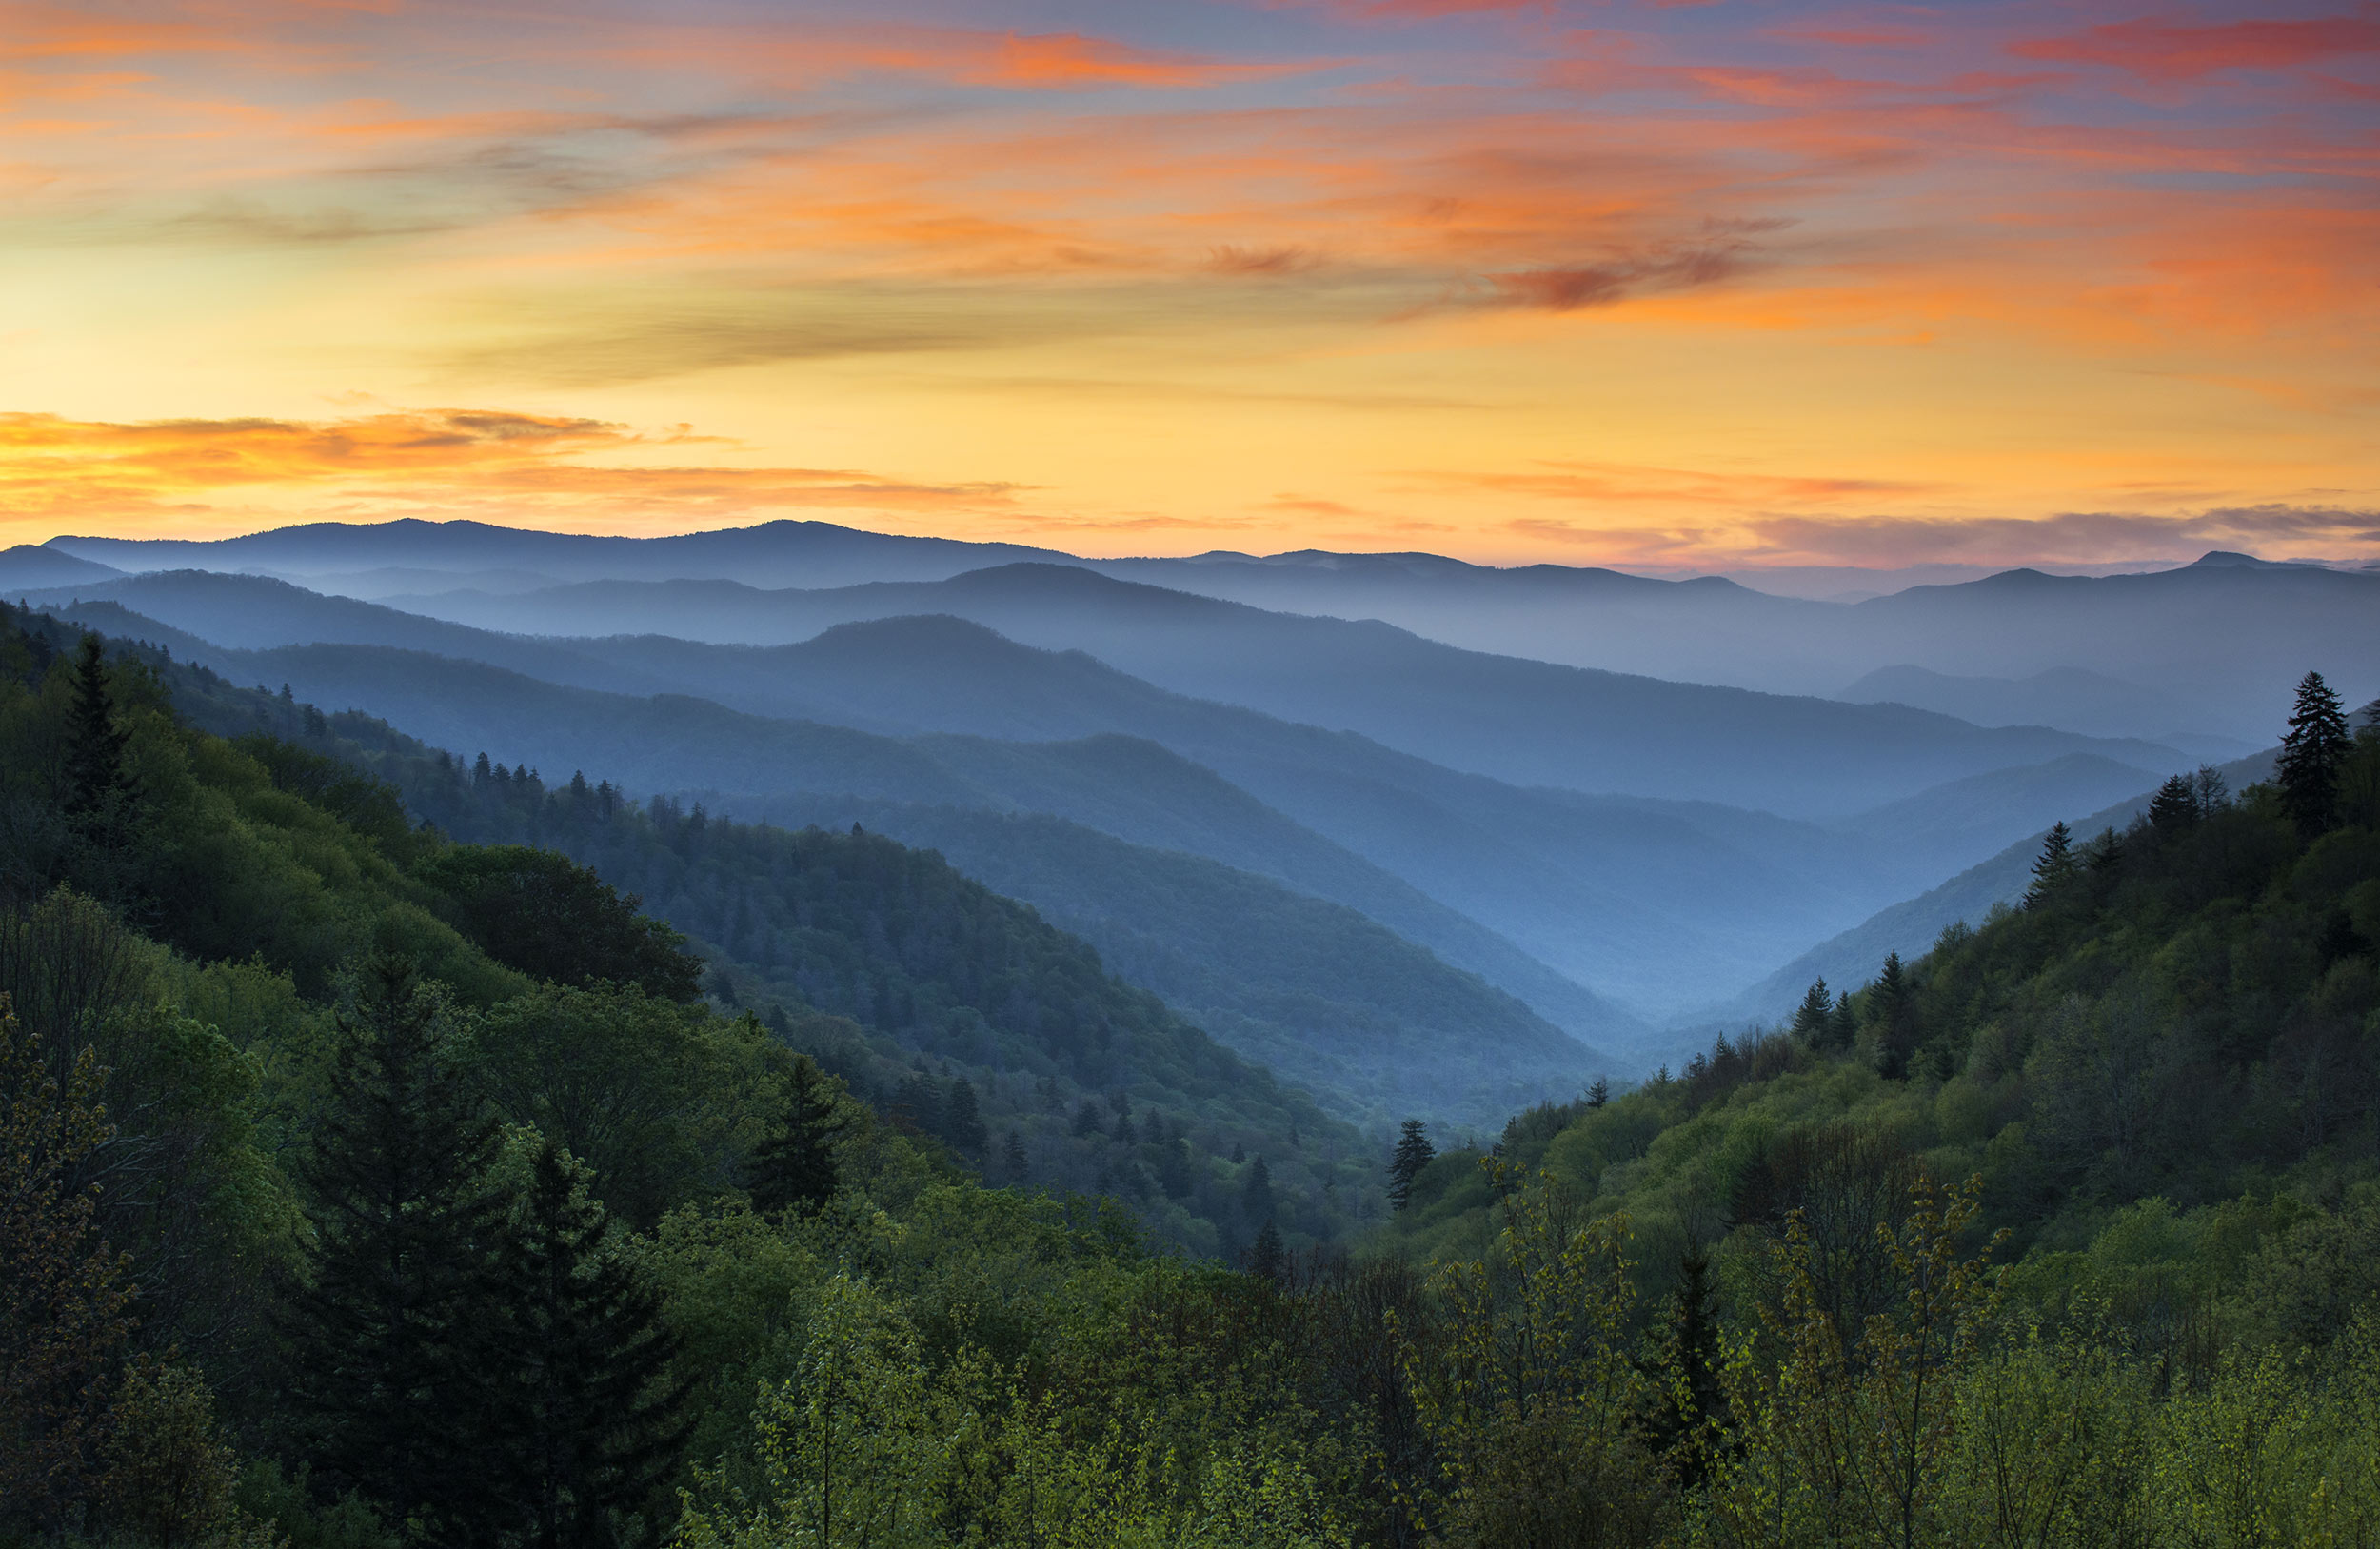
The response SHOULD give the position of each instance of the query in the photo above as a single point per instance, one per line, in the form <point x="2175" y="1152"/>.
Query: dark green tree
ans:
<point x="553" y="919"/>
<point x="1086" y="1118"/>
<point x="795" y="1167"/>
<point x="389" y="1337"/>
<point x="98" y="782"/>
<point x="1256" y="1195"/>
<point x="1268" y="1260"/>
<point x="1599" y="1094"/>
<point x="1016" y="1158"/>
<point x="1843" y="1030"/>
<point x="2312" y="755"/>
<point x="586" y="1419"/>
<point x="1127" y="1134"/>
<point x="962" y="1121"/>
<point x="1414" y="1152"/>
<point x="1689" y="1402"/>
<point x="2056" y="865"/>
<point x="2176" y="805"/>
<point x="1816" y="1016"/>
<point x="1893" y="1005"/>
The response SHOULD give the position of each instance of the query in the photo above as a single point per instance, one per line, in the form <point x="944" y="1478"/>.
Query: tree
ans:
<point x="389" y="1337"/>
<point x="1086" y="1118"/>
<point x="1268" y="1260"/>
<point x="1598" y="1095"/>
<point x="1015" y="1157"/>
<point x="2312" y="755"/>
<point x="98" y="782"/>
<point x="1814" y="1016"/>
<point x="1255" y="1196"/>
<point x="795" y="1168"/>
<point x="962" y="1121"/>
<point x="1689" y="1403"/>
<point x="1896" y="1011"/>
<point x="2176" y="805"/>
<point x="2056" y="865"/>
<point x="586" y="1419"/>
<point x="1414" y="1152"/>
<point x="64" y="1298"/>
<point x="553" y="919"/>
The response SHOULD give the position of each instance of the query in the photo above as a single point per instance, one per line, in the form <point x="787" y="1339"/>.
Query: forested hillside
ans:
<point x="366" y="1188"/>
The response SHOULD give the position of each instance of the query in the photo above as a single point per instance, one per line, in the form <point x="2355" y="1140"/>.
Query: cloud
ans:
<point x="399" y="462"/>
<point x="2076" y="537"/>
<point x="1627" y="484"/>
<point x="2162" y="51"/>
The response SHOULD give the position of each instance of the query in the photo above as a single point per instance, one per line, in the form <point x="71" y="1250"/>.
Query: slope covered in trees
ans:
<point x="341" y="1203"/>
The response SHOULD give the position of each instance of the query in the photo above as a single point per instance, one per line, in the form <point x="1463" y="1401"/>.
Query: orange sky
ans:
<point x="1685" y="285"/>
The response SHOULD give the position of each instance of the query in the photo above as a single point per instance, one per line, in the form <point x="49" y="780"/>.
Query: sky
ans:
<point x="1596" y="282"/>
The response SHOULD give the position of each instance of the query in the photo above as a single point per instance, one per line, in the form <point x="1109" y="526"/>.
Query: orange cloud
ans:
<point x="445" y="458"/>
<point x="2158" y="51"/>
<point x="1628" y="484"/>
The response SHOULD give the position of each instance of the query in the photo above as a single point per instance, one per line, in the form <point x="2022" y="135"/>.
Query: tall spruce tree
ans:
<point x="962" y="1121"/>
<point x="2176" y="805"/>
<point x="1414" y="1152"/>
<point x="1816" y="1012"/>
<point x="1256" y="1195"/>
<point x="391" y="1336"/>
<point x="585" y="1419"/>
<point x="1268" y="1260"/>
<point x="1896" y="1011"/>
<point x="98" y="782"/>
<point x="1689" y="1402"/>
<point x="2056" y="865"/>
<point x="795" y="1167"/>
<point x="2312" y="755"/>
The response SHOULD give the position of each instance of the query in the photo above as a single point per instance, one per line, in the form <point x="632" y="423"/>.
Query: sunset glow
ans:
<point x="1598" y="282"/>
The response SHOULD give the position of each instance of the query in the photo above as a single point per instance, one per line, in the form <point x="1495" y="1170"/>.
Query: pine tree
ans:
<point x="1255" y="1196"/>
<point x="1016" y="1165"/>
<point x="2056" y="865"/>
<point x="1268" y="1260"/>
<point x="1810" y="1022"/>
<point x="794" y="1168"/>
<point x="1125" y="1134"/>
<point x="585" y="1419"/>
<point x="2312" y="755"/>
<point x="389" y="1337"/>
<point x="1689" y="1402"/>
<point x="2176" y="805"/>
<point x="98" y="782"/>
<point x="1086" y="1118"/>
<point x="1598" y="1096"/>
<point x="1896" y="1008"/>
<point x="1414" y="1152"/>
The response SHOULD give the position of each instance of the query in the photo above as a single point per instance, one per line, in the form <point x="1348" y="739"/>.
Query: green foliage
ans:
<point x="553" y="919"/>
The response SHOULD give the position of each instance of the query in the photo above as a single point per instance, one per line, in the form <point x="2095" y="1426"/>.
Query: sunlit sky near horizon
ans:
<point x="1685" y="285"/>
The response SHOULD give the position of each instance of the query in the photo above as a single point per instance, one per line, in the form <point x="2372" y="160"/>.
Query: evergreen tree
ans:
<point x="1016" y="1165"/>
<point x="1174" y="1170"/>
<point x="2176" y="805"/>
<point x="1817" y="1013"/>
<point x="1894" y="1007"/>
<point x="98" y="782"/>
<point x="795" y="1167"/>
<point x="1086" y="1118"/>
<point x="2056" y="865"/>
<point x="1598" y="1095"/>
<point x="1268" y="1260"/>
<point x="1843" y="1030"/>
<point x="2312" y="754"/>
<point x="1255" y="1196"/>
<point x="1689" y="1402"/>
<point x="1414" y="1152"/>
<point x="586" y="1417"/>
<point x="391" y="1336"/>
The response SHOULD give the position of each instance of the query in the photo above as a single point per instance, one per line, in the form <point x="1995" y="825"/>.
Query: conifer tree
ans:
<point x="1598" y="1095"/>
<point x="2176" y="805"/>
<point x="1125" y="1133"/>
<point x="1255" y="1196"/>
<point x="2312" y="754"/>
<point x="1269" y="1258"/>
<point x="1414" y="1152"/>
<point x="1086" y="1118"/>
<point x="1689" y="1401"/>
<point x="1896" y="1011"/>
<point x="1816" y="1012"/>
<point x="390" y="1337"/>
<point x="98" y="782"/>
<point x="586" y="1419"/>
<point x="2056" y="865"/>
<point x="1016" y="1158"/>
<point x="795" y="1168"/>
